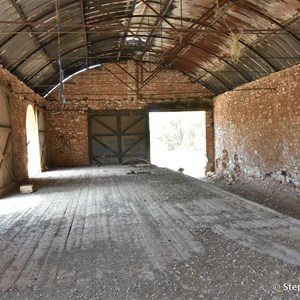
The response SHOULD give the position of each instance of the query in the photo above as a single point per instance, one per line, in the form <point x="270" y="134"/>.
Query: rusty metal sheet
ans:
<point x="194" y="37"/>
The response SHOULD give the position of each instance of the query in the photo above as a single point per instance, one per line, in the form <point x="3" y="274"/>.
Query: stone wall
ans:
<point x="257" y="128"/>
<point x="67" y="138"/>
<point x="19" y="97"/>
<point x="256" y="125"/>
<point x="116" y="87"/>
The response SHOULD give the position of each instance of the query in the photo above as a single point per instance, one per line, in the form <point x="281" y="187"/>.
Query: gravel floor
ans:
<point x="282" y="197"/>
<point x="143" y="233"/>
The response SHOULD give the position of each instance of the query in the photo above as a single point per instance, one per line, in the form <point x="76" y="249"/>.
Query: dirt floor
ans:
<point x="282" y="197"/>
<point x="132" y="233"/>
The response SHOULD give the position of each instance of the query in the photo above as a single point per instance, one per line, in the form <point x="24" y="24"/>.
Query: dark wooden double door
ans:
<point x="117" y="137"/>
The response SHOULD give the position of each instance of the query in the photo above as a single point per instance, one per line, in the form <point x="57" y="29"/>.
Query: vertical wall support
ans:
<point x="210" y="138"/>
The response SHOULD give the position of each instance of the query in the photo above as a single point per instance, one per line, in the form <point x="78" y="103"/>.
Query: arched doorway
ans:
<point x="33" y="147"/>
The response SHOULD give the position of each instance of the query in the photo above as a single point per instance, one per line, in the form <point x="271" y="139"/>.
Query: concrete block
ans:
<point x="26" y="189"/>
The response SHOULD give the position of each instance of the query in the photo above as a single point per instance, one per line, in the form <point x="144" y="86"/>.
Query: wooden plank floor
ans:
<point x="100" y="233"/>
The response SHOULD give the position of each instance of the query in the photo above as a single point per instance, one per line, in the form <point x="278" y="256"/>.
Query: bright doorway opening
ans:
<point x="178" y="141"/>
<point x="33" y="145"/>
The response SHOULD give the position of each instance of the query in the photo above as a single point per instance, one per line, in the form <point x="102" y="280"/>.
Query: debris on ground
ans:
<point x="282" y="197"/>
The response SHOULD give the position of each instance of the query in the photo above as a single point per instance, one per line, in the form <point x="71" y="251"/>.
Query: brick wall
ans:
<point x="113" y="87"/>
<point x="257" y="128"/>
<point x="67" y="138"/>
<point x="20" y="96"/>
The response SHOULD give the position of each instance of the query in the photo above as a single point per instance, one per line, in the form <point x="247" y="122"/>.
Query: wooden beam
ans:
<point x="5" y="129"/>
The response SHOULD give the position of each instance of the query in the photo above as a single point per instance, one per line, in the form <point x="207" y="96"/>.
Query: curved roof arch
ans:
<point x="191" y="36"/>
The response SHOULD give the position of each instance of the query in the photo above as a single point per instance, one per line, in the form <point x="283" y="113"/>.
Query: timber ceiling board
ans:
<point x="192" y="36"/>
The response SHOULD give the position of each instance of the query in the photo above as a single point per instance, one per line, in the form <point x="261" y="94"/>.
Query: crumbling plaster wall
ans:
<point x="114" y="87"/>
<point x="257" y="128"/>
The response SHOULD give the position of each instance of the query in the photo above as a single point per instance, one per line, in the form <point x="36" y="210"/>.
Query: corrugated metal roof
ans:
<point x="191" y="36"/>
